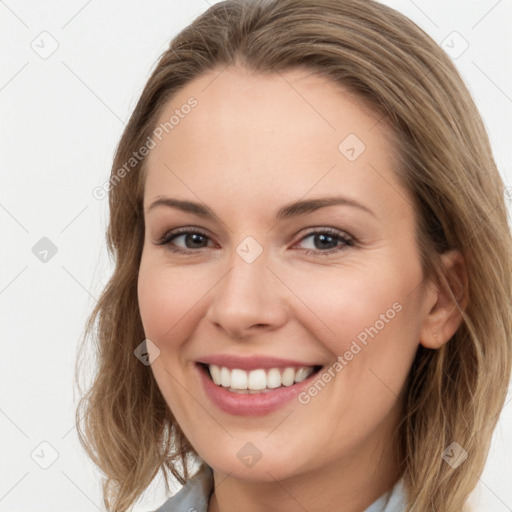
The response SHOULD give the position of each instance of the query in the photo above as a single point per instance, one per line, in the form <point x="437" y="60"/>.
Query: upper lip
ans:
<point x="252" y="362"/>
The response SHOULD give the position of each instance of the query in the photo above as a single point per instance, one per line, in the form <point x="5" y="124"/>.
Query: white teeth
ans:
<point x="273" y="378"/>
<point x="238" y="379"/>
<point x="225" y="377"/>
<point x="288" y="377"/>
<point x="215" y="373"/>
<point x="259" y="380"/>
<point x="302" y="374"/>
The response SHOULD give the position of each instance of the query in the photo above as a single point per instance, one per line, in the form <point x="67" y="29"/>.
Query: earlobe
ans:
<point x="444" y="316"/>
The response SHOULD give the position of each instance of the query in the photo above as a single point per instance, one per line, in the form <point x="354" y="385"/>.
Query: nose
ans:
<point x="248" y="300"/>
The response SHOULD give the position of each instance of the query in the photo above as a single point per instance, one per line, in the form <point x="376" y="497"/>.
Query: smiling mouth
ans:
<point x="257" y="381"/>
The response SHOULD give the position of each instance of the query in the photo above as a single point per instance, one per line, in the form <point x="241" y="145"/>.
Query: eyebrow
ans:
<point x="287" y="211"/>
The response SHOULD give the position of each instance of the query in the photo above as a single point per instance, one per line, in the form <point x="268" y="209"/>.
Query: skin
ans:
<point x="253" y="143"/>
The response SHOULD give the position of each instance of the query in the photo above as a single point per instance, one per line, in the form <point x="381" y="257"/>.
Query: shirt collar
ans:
<point x="196" y="493"/>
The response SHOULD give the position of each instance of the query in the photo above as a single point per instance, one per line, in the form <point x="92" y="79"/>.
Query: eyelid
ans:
<point x="343" y="236"/>
<point x="327" y="229"/>
<point x="346" y="238"/>
<point x="174" y="233"/>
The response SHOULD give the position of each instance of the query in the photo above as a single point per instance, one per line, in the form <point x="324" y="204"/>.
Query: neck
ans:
<point x="349" y="484"/>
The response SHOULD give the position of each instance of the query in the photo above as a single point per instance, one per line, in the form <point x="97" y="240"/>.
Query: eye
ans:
<point x="328" y="240"/>
<point x="324" y="241"/>
<point x="193" y="239"/>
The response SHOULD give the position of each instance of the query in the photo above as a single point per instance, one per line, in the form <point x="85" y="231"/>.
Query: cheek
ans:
<point x="369" y="318"/>
<point x="354" y="303"/>
<point x="369" y="321"/>
<point x="166" y="301"/>
<point x="166" y="298"/>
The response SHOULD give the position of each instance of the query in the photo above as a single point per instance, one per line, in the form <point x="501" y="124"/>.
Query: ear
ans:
<point x="443" y="317"/>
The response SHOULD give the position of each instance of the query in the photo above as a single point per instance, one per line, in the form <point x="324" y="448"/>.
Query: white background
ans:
<point x="61" y="119"/>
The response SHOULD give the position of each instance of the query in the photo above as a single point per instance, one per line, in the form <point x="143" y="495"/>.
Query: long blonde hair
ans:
<point x="455" y="393"/>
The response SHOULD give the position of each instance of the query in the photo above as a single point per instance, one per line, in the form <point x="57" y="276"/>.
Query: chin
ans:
<point x="256" y="462"/>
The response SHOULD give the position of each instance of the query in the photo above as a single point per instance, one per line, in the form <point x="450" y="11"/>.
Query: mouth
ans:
<point x="253" y="385"/>
<point x="257" y="380"/>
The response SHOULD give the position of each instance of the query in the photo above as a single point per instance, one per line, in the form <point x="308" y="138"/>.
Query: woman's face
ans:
<point x="268" y="292"/>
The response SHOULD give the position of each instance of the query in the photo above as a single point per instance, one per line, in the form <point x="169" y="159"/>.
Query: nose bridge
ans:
<point x="246" y="284"/>
<point x="249" y="293"/>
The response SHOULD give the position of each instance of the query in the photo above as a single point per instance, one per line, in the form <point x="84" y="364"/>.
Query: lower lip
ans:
<point x="246" y="404"/>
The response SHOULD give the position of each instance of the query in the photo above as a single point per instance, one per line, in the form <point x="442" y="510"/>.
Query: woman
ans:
<point x="365" y="374"/>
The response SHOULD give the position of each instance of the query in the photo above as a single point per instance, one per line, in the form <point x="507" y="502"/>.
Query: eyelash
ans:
<point x="348" y="241"/>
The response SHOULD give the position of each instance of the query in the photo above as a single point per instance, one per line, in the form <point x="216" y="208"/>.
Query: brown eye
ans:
<point x="327" y="241"/>
<point x="192" y="239"/>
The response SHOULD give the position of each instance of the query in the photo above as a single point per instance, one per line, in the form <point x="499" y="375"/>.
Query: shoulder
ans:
<point x="193" y="496"/>
<point x="392" y="501"/>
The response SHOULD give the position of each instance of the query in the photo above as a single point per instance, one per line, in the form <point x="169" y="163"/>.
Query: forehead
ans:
<point x="259" y="134"/>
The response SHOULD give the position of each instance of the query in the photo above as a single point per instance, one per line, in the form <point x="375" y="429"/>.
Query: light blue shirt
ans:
<point x="195" y="496"/>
